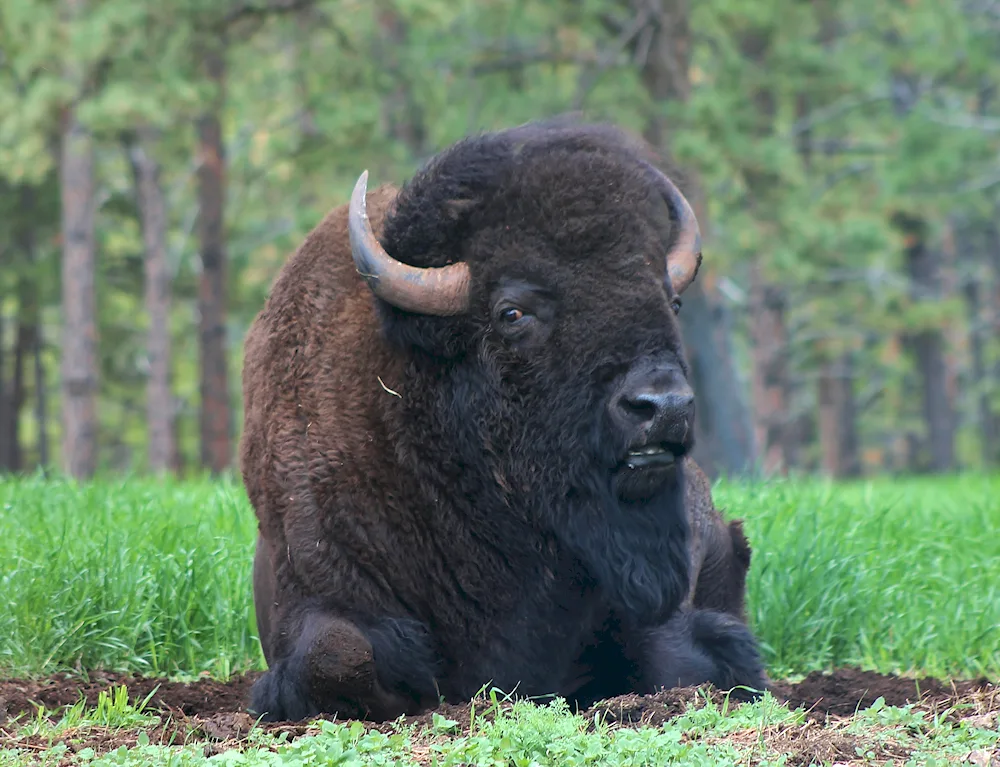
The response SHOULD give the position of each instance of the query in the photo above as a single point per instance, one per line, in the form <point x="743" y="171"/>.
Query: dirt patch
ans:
<point x="213" y="712"/>
<point x="812" y="743"/>
<point x="839" y="693"/>
<point x="168" y="732"/>
<point x="847" y="690"/>
<point x="204" y="696"/>
<point x="652" y="710"/>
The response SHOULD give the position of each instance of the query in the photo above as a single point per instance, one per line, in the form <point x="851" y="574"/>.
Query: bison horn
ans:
<point x="441" y="291"/>
<point x="684" y="258"/>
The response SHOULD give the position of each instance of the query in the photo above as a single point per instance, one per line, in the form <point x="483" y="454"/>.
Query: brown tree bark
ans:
<point x="662" y="48"/>
<point x="993" y="259"/>
<point x="216" y="429"/>
<point x="30" y="330"/>
<point x="989" y="438"/>
<point x="723" y="430"/>
<point x="769" y="341"/>
<point x="928" y="347"/>
<point x="984" y="323"/>
<point x="153" y="216"/>
<point x="79" y="368"/>
<point x="13" y="393"/>
<point x="837" y="418"/>
<point x="41" y="400"/>
<point x="21" y="349"/>
<point x="4" y="397"/>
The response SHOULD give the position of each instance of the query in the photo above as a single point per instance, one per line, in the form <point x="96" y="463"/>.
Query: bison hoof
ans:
<point x="330" y="671"/>
<point x="339" y="664"/>
<point x="705" y="646"/>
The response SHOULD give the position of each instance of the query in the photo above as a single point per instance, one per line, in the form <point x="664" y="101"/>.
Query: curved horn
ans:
<point x="684" y="258"/>
<point x="441" y="291"/>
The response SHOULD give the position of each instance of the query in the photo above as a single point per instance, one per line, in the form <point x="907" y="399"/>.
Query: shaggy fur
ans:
<point x="720" y="552"/>
<point x="442" y="500"/>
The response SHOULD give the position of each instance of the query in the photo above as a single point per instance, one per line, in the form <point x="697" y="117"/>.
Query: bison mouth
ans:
<point x="645" y="471"/>
<point x="652" y="456"/>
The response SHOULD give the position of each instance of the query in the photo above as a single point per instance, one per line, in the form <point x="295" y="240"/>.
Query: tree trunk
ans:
<point x="41" y="415"/>
<point x="4" y="398"/>
<point x="29" y="314"/>
<point x="775" y="432"/>
<point x="724" y="442"/>
<point x="80" y="375"/>
<point x="927" y="346"/>
<point x="722" y="446"/>
<point x="666" y="69"/>
<point x="215" y="414"/>
<point x="837" y="418"/>
<point x="177" y="456"/>
<point x="993" y="255"/>
<point x="153" y="214"/>
<point x="770" y="372"/>
<point x="22" y="348"/>
<point x="977" y="343"/>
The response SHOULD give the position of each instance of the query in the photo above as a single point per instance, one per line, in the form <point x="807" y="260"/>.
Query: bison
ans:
<point x="466" y="422"/>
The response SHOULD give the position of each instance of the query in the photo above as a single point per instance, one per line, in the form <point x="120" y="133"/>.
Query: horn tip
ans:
<point x="361" y="186"/>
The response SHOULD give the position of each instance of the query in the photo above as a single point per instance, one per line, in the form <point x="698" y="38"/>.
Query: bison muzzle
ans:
<point x="467" y="415"/>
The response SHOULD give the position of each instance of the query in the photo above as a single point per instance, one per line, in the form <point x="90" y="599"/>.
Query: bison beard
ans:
<point x="637" y="552"/>
<point x="444" y="500"/>
<point x="630" y="537"/>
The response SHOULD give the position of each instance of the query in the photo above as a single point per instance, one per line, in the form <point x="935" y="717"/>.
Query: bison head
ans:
<point x="531" y="277"/>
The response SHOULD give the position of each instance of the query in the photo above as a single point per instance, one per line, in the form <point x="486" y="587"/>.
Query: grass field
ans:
<point x="899" y="576"/>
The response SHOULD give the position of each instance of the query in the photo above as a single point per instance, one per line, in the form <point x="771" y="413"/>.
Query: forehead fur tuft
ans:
<point x="559" y="170"/>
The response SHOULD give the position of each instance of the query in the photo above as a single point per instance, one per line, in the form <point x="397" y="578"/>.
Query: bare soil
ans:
<point x="213" y="713"/>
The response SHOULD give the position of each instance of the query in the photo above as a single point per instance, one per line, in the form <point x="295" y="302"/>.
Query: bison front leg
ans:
<point x="335" y="667"/>
<point x="702" y="646"/>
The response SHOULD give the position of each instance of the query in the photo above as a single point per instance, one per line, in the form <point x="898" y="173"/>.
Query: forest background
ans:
<point x="160" y="160"/>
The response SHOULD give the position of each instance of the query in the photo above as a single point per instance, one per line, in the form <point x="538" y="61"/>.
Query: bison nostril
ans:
<point x="641" y="407"/>
<point x="649" y="404"/>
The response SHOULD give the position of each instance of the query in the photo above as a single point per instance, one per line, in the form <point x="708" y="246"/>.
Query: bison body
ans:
<point x="466" y="409"/>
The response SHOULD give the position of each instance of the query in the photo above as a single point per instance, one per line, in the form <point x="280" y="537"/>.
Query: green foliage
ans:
<point x="867" y="574"/>
<point x="126" y="575"/>
<point x="113" y="712"/>
<point x="808" y="124"/>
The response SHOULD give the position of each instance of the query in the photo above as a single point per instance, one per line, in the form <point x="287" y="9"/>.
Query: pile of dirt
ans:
<point x="847" y="690"/>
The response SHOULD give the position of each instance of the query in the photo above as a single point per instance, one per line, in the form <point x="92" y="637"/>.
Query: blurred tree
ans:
<point x="216" y="419"/>
<point x="153" y="216"/>
<point x="79" y="371"/>
<point x="803" y="131"/>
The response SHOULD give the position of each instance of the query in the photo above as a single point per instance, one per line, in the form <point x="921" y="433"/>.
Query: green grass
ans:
<point x="155" y="577"/>
<point x="893" y="575"/>
<point x="709" y="732"/>
<point x="131" y="575"/>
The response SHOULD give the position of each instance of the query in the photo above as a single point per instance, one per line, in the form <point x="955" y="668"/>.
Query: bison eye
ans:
<point x="511" y="315"/>
<point x="676" y="304"/>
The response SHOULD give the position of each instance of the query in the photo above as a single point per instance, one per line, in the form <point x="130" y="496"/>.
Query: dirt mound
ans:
<point x="847" y="690"/>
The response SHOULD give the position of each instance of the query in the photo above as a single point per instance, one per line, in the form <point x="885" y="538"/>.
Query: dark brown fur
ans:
<point x="434" y="499"/>
<point x="720" y="552"/>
